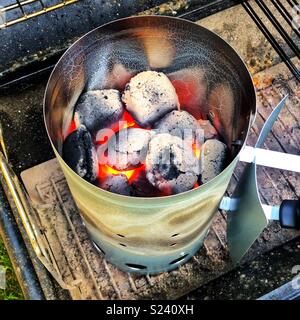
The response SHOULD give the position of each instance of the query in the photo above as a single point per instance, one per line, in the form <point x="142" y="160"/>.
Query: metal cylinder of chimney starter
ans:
<point x="152" y="235"/>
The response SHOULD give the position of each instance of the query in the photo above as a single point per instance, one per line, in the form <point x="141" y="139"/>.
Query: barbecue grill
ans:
<point x="64" y="240"/>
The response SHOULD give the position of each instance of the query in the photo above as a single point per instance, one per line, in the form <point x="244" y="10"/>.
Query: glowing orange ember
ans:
<point x="107" y="170"/>
<point x="126" y="121"/>
<point x="197" y="150"/>
<point x="71" y="128"/>
<point x="131" y="175"/>
<point x="127" y="117"/>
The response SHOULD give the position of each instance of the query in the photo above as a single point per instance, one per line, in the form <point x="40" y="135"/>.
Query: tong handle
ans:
<point x="289" y="214"/>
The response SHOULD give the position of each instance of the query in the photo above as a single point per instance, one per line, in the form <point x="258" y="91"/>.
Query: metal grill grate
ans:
<point x="279" y="21"/>
<point x="15" y="11"/>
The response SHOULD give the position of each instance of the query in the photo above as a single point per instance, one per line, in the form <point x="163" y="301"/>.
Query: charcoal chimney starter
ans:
<point x="149" y="235"/>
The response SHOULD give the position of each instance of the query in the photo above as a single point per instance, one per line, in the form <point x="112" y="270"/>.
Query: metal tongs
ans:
<point x="22" y="207"/>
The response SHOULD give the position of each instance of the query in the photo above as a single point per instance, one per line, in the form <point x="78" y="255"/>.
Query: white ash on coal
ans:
<point x="80" y="154"/>
<point x="212" y="160"/>
<point x="149" y="96"/>
<point x="171" y="165"/>
<point x="209" y="130"/>
<point x="128" y="148"/>
<point x="153" y="148"/>
<point x="117" y="184"/>
<point x="98" y="109"/>
<point x="181" y="124"/>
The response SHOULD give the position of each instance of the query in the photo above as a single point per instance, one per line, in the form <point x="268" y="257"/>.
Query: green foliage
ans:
<point x="13" y="290"/>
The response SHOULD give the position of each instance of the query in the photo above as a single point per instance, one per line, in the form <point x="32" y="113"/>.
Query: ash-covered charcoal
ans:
<point x="212" y="159"/>
<point x="141" y="187"/>
<point x="128" y="148"/>
<point x="80" y="154"/>
<point x="98" y="109"/>
<point x="178" y="123"/>
<point x="117" y="184"/>
<point x="149" y="96"/>
<point x="209" y="130"/>
<point x="171" y="165"/>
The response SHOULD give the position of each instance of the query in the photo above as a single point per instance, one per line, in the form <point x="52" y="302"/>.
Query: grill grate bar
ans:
<point x="131" y="282"/>
<point x="99" y="294"/>
<point x="278" y="27"/>
<point x="149" y="280"/>
<point x="42" y="4"/>
<point x="286" y="15"/>
<point x="72" y="284"/>
<point x="21" y="8"/>
<point x="268" y="34"/>
<point x="203" y="10"/>
<point x="217" y="229"/>
<point x="19" y="4"/>
<point x="293" y="3"/>
<point x="112" y="280"/>
<point x="6" y="22"/>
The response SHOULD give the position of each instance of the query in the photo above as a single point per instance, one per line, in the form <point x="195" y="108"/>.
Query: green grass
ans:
<point x="13" y="290"/>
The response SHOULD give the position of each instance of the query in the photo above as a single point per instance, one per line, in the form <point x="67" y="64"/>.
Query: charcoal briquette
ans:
<point x="212" y="159"/>
<point x="149" y="96"/>
<point x="80" y="154"/>
<point x="128" y="148"/>
<point x="171" y="165"/>
<point x="178" y="123"/>
<point x="141" y="187"/>
<point x="117" y="184"/>
<point x="98" y="109"/>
